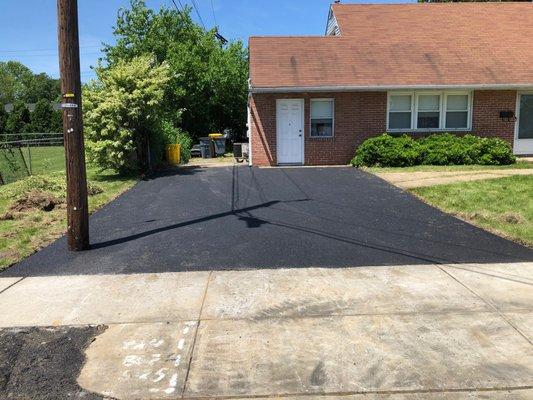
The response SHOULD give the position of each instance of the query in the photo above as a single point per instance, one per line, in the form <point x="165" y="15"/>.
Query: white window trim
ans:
<point x="468" y="110"/>
<point x="442" y="110"/>
<point x="332" y="118"/>
<point x="389" y="94"/>
<point x="415" y="119"/>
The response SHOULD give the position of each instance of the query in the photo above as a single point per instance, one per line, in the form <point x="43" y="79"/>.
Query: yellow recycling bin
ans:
<point x="173" y="154"/>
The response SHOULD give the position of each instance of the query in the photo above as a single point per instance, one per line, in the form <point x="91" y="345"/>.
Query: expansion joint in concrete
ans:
<point x="488" y="303"/>
<point x="196" y="334"/>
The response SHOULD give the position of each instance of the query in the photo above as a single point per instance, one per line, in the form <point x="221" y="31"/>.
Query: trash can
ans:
<point x="205" y="147"/>
<point x="174" y="154"/>
<point x="220" y="146"/>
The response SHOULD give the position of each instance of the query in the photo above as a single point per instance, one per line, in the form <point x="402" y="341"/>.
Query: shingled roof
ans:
<point x="401" y="46"/>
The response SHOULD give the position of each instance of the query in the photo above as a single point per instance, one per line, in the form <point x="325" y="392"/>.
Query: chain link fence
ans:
<point x="16" y="160"/>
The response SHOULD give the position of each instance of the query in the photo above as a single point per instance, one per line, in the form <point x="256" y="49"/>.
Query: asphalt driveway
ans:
<point x="245" y="218"/>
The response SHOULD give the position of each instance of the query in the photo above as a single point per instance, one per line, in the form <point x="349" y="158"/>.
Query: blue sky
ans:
<point x="28" y="28"/>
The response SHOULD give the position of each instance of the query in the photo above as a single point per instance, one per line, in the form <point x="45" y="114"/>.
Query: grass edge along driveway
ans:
<point x="34" y="229"/>
<point x="502" y="206"/>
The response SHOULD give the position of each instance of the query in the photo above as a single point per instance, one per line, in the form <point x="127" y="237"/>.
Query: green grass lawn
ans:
<point x="45" y="159"/>
<point x="439" y="168"/>
<point x="31" y="230"/>
<point x="503" y="206"/>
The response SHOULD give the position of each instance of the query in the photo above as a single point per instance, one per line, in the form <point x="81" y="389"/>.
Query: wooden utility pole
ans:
<point x="69" y="64"/>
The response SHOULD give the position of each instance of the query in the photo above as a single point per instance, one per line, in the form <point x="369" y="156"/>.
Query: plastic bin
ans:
<point x="205" y="147"/>
<point x="220" y="146"/>
<point x="174" y="154"/>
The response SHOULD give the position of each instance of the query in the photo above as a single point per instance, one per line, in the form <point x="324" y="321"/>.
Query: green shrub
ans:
<point x="174" y="135"/>
<point x="386" y="150"/>
<point x="122" y="110"/>
<point x="436" y="149"/>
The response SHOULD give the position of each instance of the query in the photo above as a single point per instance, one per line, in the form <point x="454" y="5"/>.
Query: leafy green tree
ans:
<point x="18" y="120"/>
<point x="18" y="82"/>
<point x="41" y="86"/>
<point x="14" y="77"/>
<point x="122" y="110"/>
<point x="3" y="121"/>
<point x="57" y="122"/>
<point x="42" y="117"/>
<point x="208" y="81"/>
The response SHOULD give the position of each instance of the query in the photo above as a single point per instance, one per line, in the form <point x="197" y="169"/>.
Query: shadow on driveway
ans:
<point x="244" y="218"/>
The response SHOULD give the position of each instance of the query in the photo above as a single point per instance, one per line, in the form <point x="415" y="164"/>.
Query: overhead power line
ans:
<point x="14" y="55"/>
<point x="177" y="8"/>
<point x="214" y="16"/>
<point x="40" y="50"/>
<point x="198" y="13"/>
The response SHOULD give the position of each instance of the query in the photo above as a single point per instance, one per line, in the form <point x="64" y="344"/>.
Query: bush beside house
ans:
<point x="438" y="149"/>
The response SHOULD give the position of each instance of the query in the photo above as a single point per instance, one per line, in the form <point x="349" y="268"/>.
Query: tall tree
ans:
<point x="122" y="113"/>
<point x="3" y="121"/>
<point x="18" y="82"/>
<point x="42" y="117"/>
<point x="18" y="120"/>
<point x="208" y="80"/>
<point x="42" y="87"/>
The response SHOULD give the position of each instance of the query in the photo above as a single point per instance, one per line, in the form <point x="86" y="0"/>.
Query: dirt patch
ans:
<point x="35" y="199"/>
<point x="512" y="218"/>
<point x="44" y="363"/>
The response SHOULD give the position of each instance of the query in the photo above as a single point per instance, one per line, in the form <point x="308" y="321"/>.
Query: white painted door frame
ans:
<point x="521" y="146"/>
<point x="297" y="158"/>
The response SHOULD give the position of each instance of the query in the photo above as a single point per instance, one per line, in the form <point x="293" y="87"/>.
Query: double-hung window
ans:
<point x="428" y="108"/>
<point x="457" y="110"/>
<point x="322" y="111"/>
<point x="428" y="111"/>
<point x="400" y="111"/>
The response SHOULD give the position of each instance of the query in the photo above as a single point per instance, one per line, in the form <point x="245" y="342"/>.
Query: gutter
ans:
<point x="308" y="89"/>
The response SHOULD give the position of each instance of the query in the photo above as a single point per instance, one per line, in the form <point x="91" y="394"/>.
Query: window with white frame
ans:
<point x="457" y="110"/>
<point x="322" y="117"/>
<point x="426" y="111"/>
<point x="400" y="111"/>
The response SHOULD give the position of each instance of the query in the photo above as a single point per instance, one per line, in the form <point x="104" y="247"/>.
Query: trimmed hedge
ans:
<point x="438" y="149"/>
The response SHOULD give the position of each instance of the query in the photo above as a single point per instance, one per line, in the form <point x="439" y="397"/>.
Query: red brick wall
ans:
<point x="358" y="116"/>
<point x="486" y="113"/>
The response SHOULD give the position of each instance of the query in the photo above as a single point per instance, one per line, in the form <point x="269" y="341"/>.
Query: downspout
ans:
<point x="249" y="122"/>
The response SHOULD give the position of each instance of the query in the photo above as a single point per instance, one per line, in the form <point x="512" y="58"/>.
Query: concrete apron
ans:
<point x="402" y="332"/>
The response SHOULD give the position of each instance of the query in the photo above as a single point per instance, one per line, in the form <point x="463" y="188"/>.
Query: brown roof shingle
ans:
<point x="404" y="45"/>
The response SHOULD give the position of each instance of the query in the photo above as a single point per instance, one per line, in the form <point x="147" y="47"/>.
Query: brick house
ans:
<point x="405" y="68"/>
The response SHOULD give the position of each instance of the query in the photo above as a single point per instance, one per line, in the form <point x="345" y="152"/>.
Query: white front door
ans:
<point x="523" y="143"/>
<point x="289" y="128"/>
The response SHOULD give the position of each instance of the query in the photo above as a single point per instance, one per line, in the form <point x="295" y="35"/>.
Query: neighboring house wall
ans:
<point x="358" y="116"/>
<point x="486" y="119"/>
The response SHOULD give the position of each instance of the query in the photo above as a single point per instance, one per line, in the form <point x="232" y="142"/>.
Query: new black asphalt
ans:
<point x="242" y="218"/>
<point x="44" y="363"/>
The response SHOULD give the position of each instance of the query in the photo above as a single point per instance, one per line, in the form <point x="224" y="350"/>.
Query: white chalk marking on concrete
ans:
<point x="144" y="376"/>
<point x="172" y="384"/>
<point x="132" y="359"/>
<point x="181" y="344"/>
<point x="156" y="343"/>
<point x="133" y="344"/>
<point x="155" y="358"/>
<point x="160" y="375"/>
<point x="177" y="360"/>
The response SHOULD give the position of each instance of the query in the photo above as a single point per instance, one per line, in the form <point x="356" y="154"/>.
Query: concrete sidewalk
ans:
<point x="459" y="331"/>
<point x="407" y="180"/>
